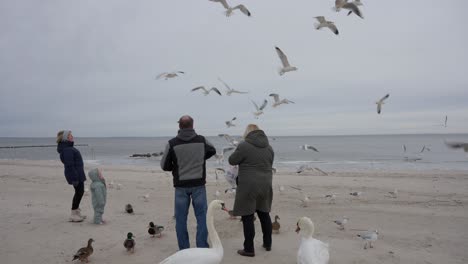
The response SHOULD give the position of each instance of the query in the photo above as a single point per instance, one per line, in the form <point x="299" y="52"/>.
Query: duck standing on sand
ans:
<point x="155" y="229"/>
<point x="129" y="209"/>
<point x="275" y="226"/>
<point x="129" y="243"/>
<point x="83" y="253"/>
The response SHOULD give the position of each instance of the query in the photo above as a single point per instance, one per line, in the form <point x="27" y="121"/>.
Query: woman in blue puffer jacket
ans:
<point x="74" y="170"/>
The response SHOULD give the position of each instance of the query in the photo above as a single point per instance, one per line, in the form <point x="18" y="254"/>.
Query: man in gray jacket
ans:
<point x="185" y="156"/>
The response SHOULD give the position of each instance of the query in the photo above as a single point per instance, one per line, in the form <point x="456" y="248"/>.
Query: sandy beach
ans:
<point x="425" y="223"/>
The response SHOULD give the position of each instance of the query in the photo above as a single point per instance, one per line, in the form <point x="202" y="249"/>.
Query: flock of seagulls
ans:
<point x="310" y="250"/>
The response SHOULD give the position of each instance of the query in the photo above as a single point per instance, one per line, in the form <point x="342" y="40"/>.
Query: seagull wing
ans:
<point x="216" y="90"/>
<point x="312" y="148"/>
<point x="379" y="107"/>
<point x="226" y="149"/>
<point x="256" y="106"/>
<point x="225" y="84"/>
<point x="321" y="19"/>
<point x="385" y="97"/>
<point x="265" y="102"/>
<point x="234" y="118"/>
<point x="353" y="7"/>
<point x="161" y="75"/>
<point x="243" y="9"/>
<point x="199" y="87"/>
<point x="239" y="92"/>
<point x="275" y="96"/>
<point x="180" y="72"/>
<point x="223" y="2"/>
<point x="423" y="148"/>
<point x="283" y="58"/>
<point x="332" y="27"/>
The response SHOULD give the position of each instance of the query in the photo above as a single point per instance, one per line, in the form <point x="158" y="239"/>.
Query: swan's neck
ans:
<point x="213" y="235"/>
<point x="308" y="232"/>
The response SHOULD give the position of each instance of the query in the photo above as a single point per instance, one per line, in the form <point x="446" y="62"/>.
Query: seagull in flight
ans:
<point x="456" y="145"/>
<point x="259" y="109"/>
<point x="206" y="92"/>
<point x="278" y="101"/>
<point x="351" y="6"/>
<point x="230" y="90"/>
<point x="308" y="147"/>
<point x="425" y="148"/>
<point x="380" y="103"/>
<point x="230" y="123"/>
<point x="229" y="9"/>
<point x="324" y="23"/>
<point x="284" y="61"/>
<point x="445" y="121"/>
<point x="229" y="139"/>
<point x="220" y="157"/>
<point x="404" y="148"/>
<point x="169" y="75"/>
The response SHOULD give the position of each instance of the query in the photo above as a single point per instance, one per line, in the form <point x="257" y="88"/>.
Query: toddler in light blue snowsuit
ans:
<point x="98" y="194"/>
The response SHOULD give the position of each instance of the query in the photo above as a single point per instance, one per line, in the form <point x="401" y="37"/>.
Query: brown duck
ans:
<point x="275" y="226"/>
<point x="84" y="253"/>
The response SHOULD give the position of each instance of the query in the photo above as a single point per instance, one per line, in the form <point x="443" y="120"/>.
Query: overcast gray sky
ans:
<point x="89" y="66"/>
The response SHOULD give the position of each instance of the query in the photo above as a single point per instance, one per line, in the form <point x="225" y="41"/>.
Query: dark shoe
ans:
<point x="266" y="248"/>
<point x="245" y="254"/>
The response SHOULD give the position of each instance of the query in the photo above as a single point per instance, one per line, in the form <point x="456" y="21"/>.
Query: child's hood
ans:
<point x="94" y="175"/>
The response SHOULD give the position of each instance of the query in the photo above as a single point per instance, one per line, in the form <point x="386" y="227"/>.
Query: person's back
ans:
<point x="185" y="155"/>
<point x="254" y="193"/>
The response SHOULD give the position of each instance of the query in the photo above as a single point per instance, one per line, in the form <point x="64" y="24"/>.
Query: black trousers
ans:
<point x="249" y="230"/>
<point x="79" y="191"/>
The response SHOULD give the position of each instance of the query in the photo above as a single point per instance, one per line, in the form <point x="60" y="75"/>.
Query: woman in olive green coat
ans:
<point x="254" y="187"/>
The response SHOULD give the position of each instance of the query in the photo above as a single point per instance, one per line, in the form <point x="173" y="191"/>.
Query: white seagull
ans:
<point x="229" y="139"/>
<point x="284" y="61"/>
<point x="304" y="167"/>
<point x="278" y="101"/>
<point x="205" y="91"/>
<point x="324" y="23"/>
<point x="351" y="6"/>
<point x="229" y="89"/>
<point x="394" y="193"/>
<point x="259" y="109"/>
<point x="369" y="237"/>
<point x="229" y="9"/>
<point x="380" y="103"/>
<point x="169" y="75"/>
<point x="308" y="147"/>
<point x="231" y="122"/>
<point x="342" y="222"/>
<point x="331" y="197"/>
<point x="220" y="157"/>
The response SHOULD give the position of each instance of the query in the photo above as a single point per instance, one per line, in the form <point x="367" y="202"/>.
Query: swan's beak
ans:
<point x="298" y="229"/>
<point x="223" y="207"/>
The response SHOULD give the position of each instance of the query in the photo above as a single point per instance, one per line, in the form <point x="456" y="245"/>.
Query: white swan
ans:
<point x="311" y="251"/>
<point x="213" y="255"/>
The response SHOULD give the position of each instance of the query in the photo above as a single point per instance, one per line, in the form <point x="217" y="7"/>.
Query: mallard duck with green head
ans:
<point x="155" y="229"/>
<point x="129" y="243"/>
<point x="83" y="253"/>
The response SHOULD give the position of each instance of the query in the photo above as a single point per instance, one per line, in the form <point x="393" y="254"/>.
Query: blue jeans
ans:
<point x="182" y="204"/>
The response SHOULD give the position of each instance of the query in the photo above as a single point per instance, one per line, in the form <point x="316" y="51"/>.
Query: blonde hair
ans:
<point x="250" y="128"/>
<point x="59" y="136"/>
